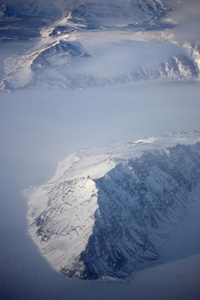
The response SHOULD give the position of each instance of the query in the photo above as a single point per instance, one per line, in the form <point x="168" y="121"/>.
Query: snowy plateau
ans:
<point x="107" y="210"/>
<point x="76" y="44"/>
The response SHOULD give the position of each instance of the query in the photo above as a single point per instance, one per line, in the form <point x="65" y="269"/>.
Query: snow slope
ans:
<point x="107" y="210"/>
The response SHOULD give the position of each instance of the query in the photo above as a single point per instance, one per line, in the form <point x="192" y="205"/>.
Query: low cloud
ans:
<point x="122" y="58"/>
<point x="187" y="15"/>
<point x="38" y="128"/>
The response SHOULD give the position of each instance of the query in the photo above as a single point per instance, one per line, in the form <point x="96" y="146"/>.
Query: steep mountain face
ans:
<point x="97" y="29"/>
<point x="138" y="203"/>
<point x="105" y="214"/>
<point x="58" y="54"/>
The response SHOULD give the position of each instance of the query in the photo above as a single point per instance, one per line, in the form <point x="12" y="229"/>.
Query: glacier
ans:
<point x="107" y="210"/>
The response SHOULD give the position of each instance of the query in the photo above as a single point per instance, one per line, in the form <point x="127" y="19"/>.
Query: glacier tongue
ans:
<point x="107" y="210"/>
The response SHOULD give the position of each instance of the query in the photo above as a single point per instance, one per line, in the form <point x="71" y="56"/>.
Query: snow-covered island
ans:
<point x="107" y="210"/>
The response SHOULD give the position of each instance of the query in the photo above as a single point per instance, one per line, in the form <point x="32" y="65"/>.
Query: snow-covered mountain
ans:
<point x="90" y="14"/>
<point x="134" y="39"/>
<point x="108" y="209"/>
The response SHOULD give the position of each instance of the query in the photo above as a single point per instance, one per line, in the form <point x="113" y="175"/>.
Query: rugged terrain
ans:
<point x="74" y="44"/>
<point x="107" y="210"/>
